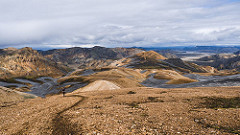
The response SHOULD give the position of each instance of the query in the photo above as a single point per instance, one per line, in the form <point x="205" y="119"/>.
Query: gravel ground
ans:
<point x="127" y="111"/>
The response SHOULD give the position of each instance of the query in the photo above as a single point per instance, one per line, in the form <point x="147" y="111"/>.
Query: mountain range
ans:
<point x="88" y="57"/>
<point x="221" y="61"/>
<point x="154" y="60"/>
<point x="116" y="91"/>
<point x="28" y="62"/>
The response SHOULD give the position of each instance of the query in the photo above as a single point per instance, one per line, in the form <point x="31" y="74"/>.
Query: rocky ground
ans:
<point x="10" y="97"/>
<point x="128" y="111"/>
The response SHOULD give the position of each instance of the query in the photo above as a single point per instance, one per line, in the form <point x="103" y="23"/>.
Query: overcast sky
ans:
<point x="111" y="23"/>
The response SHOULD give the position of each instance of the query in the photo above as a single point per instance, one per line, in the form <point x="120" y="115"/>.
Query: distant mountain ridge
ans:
<point x="28" y="62"/>
<point x="207" y="49"/>
<point x="154" y="60"/>
<point x="222" y="61"/>
<point x="213" y="49"/>
<point x="88" y="57"/>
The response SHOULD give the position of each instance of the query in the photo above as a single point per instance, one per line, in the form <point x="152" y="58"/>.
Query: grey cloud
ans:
<point x="118" y="23"/>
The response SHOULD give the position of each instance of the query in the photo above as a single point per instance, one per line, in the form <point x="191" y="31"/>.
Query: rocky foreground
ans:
<point x="127" y="111"/>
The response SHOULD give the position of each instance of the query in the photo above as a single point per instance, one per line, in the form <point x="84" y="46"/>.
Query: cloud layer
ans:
<point x="110" y="23"/>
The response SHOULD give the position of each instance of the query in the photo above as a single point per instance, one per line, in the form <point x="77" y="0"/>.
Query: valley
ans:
<point x="49" y="85"/>
<point x="126" y="67"/>
<point x="157" y="93"/>
<point x="119" y="67"/>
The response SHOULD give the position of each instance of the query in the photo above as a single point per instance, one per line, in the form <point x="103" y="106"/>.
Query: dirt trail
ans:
<point x="61" y="124"/>
<point x="128" y="111"/>
<point x="40" y="116"/>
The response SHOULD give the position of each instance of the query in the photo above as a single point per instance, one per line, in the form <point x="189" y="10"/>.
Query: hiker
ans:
<point x="64" y="89"/>
<point x="63" y="92"/>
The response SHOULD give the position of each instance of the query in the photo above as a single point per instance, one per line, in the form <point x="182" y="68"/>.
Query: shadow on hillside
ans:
<point x="62" y="124"/>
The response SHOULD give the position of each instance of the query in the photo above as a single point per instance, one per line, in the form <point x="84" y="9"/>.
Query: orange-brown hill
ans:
<point x="122" y="77"/>
<point x="28" y="63"/>
<point x="153" y="60"/>
<point x="149" y="55"/>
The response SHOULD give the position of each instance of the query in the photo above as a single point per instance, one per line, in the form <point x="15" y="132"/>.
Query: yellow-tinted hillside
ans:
<point x="150" y="55"/>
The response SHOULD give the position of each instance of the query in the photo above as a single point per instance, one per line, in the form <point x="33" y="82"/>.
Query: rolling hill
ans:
<point x="154" y="60"/>
<point x="27" y="62"/>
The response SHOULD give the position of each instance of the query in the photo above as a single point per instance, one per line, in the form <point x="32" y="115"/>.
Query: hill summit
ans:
<point x="149" y="55"/>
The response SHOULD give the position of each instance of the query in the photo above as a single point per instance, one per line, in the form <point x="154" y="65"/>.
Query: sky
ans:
<point x="118" y="23"/>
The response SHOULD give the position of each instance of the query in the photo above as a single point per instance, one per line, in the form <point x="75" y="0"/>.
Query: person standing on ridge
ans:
<point x="64" y="90"/>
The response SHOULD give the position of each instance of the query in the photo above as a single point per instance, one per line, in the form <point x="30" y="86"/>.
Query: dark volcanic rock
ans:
<point x="89" y="57"/>
<point x="153" y="60"/>
<point x="223" y="61"/>
<point x="186" y="65"/>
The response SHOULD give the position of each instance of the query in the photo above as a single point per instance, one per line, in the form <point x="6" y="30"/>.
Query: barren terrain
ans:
<point x="128" y="111"/>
